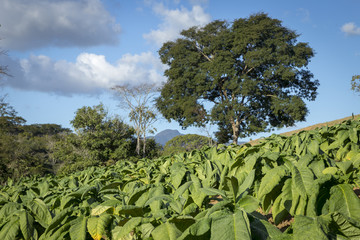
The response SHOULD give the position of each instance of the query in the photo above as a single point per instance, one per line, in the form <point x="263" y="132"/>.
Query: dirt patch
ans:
<point x="281" y="226"/>
<point x="214" y="200"/>
<point x="357" y="191"/>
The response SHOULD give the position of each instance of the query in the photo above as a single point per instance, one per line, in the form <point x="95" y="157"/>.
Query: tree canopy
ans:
<point x="137" y="99"/>
<point x="185" y="143"/>
<point x="355" y="83"/>
<point x="247" y="76"/>
<point x="98" y="139"/>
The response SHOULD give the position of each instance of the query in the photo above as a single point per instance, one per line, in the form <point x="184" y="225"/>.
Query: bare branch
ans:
<point x="137" y="99"/>
<point x="199" y="49"/>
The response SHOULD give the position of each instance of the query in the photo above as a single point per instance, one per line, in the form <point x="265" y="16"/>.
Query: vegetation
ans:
<point x="355" y="83"/>
<point x="39" y="149"/>
<point x="213" y="193"/>
<point x="137" y="98"/>
<point x="247" y="77"/>
<point x="25" y="149"/>
<point x="98" y="139"/>
<point x="185" y="143"/>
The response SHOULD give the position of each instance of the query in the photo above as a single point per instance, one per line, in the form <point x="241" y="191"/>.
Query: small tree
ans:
<point x="247" y="76"/>
<point x="355" y="83"/>
<point x="142" y="115"/>
<point x="98" y="139"/>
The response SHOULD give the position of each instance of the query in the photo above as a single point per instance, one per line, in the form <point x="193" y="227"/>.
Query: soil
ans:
<point x="357" y="191"/>
<point x="281" y="226"/>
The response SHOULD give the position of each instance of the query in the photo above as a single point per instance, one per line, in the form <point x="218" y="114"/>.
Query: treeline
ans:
<point x="40" y="149"/>
<point x="98" y="139"/>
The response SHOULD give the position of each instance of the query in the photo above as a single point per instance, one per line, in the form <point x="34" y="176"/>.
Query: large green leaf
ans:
<point x="60" y="232"/>
<point x="105" y="206"/>
<point x="232" y="226"/>
<point x="271" y="179"/>
<point x="178" y="171"/>
<point x="303" y="180"/>
<point x="120" y="232"/>
<point x="247" y="183"/>
<point x="347" y="228"/>
<point x="182" y="189"/>
<point x="97" y="225"/>
<point x="248" y="203"/>
<point x="57" y="220"/>
<point x="199" y="230"/>
<point x="344" y="200"/>
<point x="309" y="228"/>
<point x="26" y="225"/>
<point x="10" y="229"/>
<point x="314" y="147"/>
<point x="282" y="203"/>
<point x="197" y="195"/>
<point x="78" y="228"/>
<point x="262" y="229"/>
<point x="166" y="231"/>
<point x="353" y="135"/>
<point x="41" y="212"/>
<point x="8" y="210"/>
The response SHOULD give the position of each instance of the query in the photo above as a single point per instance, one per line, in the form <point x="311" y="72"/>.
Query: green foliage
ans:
<point x="9" y="119"/>
<point x="355" y="83"/>
<point x="212" y="193"/>
<point x="142" y="115"/>
<point x="39" y="130"/>
<point x="185" y="143"/>
<point x="99" y="139"/>
<point x="253" y="72"/>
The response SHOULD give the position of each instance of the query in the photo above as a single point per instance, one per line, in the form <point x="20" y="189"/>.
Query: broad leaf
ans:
<point x="344" y="200"/>
<point x="97" y="225"/>
<point x="271" y="179"/>
<point x="166" y="231"/>
<point x="26" y="225"/>
<point x="78" y="228"/>
<point x="233" y="226"/>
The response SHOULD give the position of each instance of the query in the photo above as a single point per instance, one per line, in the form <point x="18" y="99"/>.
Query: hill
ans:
<point x="312" y="127"/>
<point x="166" y="135"/>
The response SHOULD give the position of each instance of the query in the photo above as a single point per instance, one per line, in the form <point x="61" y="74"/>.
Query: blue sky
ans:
<point x="66" y="54"/>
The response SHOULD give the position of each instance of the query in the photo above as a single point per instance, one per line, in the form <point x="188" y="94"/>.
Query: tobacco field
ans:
<point x="309" y="180"/>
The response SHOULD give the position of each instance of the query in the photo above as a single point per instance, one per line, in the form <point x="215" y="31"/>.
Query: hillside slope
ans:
<point x="312" y="127"/>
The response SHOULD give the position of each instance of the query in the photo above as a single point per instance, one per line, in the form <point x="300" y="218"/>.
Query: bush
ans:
<point x="186" y="143"/>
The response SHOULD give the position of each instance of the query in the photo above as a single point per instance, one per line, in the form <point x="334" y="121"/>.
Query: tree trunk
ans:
<point x="144" y="145"/>
<point x="138" y="144"/>
<point x="235" y="128"/>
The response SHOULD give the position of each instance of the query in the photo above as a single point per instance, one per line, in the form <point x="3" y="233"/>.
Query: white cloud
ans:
<point x="90" y="74"/>
<point x="350" y="29"/>
<point x="29" y="24"/>
<point x="198" y="2"/>
<point x="174" y="21"/>
<point x="304" y="14"/>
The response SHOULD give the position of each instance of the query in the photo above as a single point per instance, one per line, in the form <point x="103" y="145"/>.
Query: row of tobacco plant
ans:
<point x="217" y="193"/>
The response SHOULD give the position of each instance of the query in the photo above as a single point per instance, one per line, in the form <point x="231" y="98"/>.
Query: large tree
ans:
<point x="247" y="76"/>
<point x="137" y="99"/>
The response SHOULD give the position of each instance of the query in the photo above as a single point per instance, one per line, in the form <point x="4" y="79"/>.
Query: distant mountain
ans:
<point x="166" y="135"/>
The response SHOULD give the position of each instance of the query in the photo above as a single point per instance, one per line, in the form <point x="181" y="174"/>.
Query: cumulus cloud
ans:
<point x="29" y="24"/>
<point x="174" y="21"/>
<point x="350" y="29"/>
<point x="89" y="74"/>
